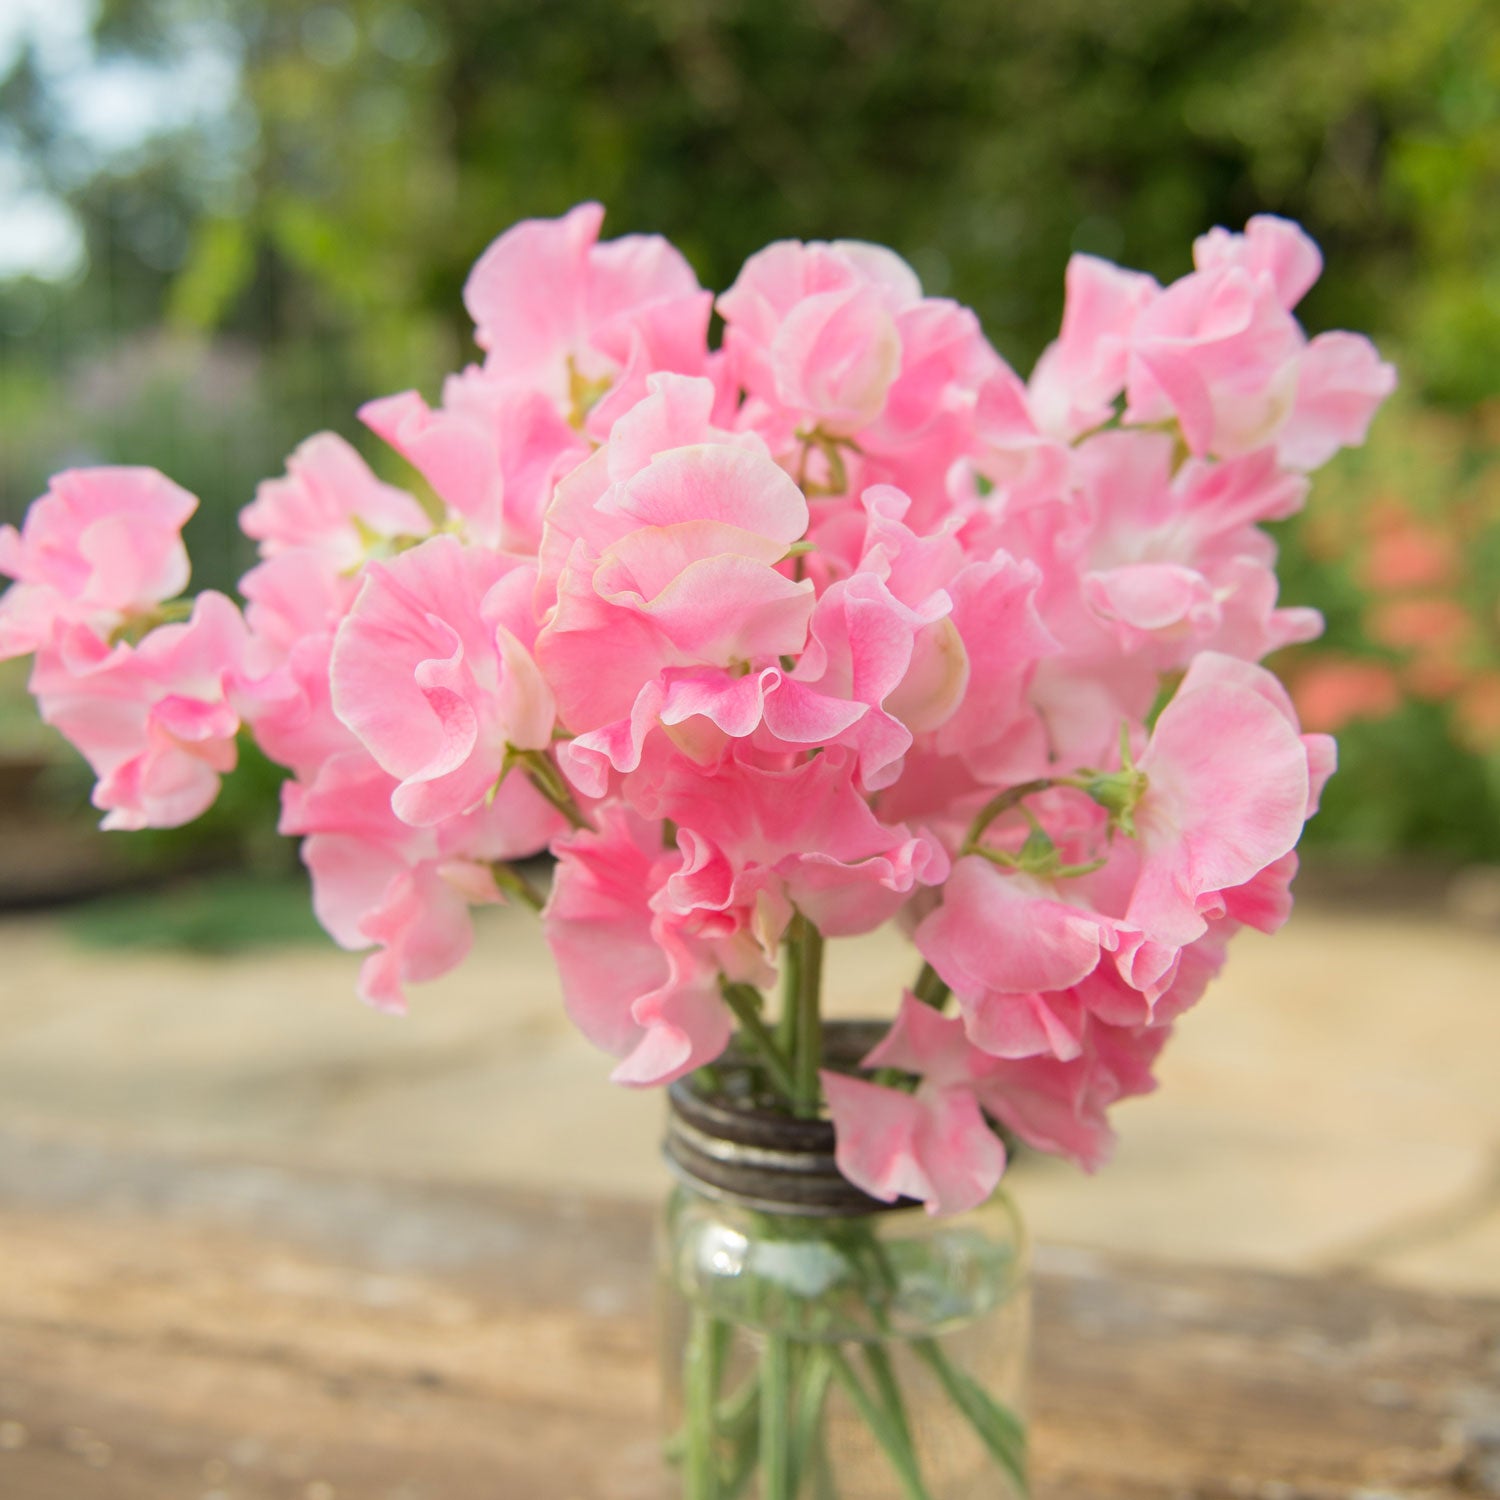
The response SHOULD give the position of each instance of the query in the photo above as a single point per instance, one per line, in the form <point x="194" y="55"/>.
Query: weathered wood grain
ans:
<point x="234" y="1332"/>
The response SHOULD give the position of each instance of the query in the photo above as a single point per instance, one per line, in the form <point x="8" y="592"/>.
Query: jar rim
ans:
<point x="737" y="1151"/>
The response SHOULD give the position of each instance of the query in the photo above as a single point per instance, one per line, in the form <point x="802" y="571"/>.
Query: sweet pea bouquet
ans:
<point x="837" y="624"/>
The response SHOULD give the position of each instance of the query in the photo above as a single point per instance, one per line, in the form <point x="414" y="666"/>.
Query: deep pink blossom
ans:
<point x="1061" y="1107"/>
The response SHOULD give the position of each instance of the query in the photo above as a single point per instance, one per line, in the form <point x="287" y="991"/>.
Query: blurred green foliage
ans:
<point x="319" y="230"/>
<point x="220" y="914"/>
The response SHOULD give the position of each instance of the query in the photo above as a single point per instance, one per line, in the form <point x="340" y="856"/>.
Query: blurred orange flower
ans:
<point x="1332" y="691"/>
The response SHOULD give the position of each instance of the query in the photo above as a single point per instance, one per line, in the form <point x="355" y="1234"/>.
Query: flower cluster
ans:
<point x="838" y="624"/>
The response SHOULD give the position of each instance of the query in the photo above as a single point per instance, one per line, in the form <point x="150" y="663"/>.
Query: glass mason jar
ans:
<point x="819" y="1344"/>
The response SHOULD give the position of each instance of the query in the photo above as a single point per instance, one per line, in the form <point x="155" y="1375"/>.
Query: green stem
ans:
<point x="548" y="780"/>
<point x="739" y="1421"/>
<point x="710" y="1079"/>
<point x="1001" y="1431"/>
<point x="745" y="1003"/>
<point x="699" y="1479"/>
<point x="736" y="1417"/>
<point x="883" y="1426"/>
<point x="791" y="985"/>
<point x="884" y="1376"/>
<point x="775" y="1448"/>
<point x="821" y="1465"/>
<point x="807" y="1056"/>
<point x="930" y="988"/>
<point x="1009" y="798"/>
<point x="807" y="1429"/>
<point x="514" y="883"/>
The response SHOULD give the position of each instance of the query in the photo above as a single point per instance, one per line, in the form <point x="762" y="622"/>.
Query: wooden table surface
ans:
<point x="238" y="1332"/>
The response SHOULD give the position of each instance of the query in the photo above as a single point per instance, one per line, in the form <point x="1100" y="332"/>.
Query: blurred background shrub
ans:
<point x="224" y="223"/>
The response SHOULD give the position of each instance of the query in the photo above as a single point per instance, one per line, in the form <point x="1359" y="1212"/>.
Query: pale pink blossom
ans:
<point x="152" y="719"/>
<point x="433" y="672"/>
<point x="558" y="312"/>
<point x="1341" y="383"/>
<point x="813" y="328"/>
<point x="801" y="838"/>
<point x="1081" y="373"/>
<point x="1173" y="562"/>
<point x="294" y="603"/>
<point x="1220" y="351"/>
<point x="674" y="566"/>
<point x="331" y="502"/>
<point x="1229" y="784"/>
<point x="1271" y="248"/>
<point x="492" y="454"/>
<point x="837" y="341"/>
<point x="934" y="1145"/>
<point x="632" y="983"/>
<point x="378" y="882"/>
<point x="1012" y="948"/>
<point x="102" y="545"/>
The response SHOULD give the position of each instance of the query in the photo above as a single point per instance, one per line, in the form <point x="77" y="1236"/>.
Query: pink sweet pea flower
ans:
<point x="1011" y="949"/>
<point x="1079" y="375"/>
<point x="379" y="882"/>
<point x="491" y="452"/>
<point x="1229" y="783"/>
<point x="1173" y="562"/>
<point x="315" y="527"/>
<point x="1218" y="351"/>
<point x="100" y="546"/>
<point x="673" y="566"/>
<point x="1341" y="383"/>
<point x="634" y="983"/>
<point x="801" y="837"/>
<point x="1061" y="1106"/>
<point x="294" y="603"/>
<point x="839" y="339"/>
<point x="560" y="313"/>
<point x="1003" y="639"/>
<point x="152" y="719"/>
<point x="1271" y="248"/>
<point x="813" y="328"/>
<point x="935" y="1145"/>
<point x="433" y="672"/>
<point x="329" y="501"/>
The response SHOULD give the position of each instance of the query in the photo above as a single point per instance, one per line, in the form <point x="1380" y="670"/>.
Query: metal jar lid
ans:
<point x="729" y="1146"/>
